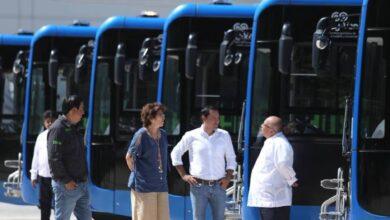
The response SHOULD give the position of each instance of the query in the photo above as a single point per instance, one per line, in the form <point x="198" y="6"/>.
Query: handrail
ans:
<point x="12" y="185"/>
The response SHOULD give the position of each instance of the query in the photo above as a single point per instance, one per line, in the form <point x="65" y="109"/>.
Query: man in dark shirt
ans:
<point x="67" y="162"/>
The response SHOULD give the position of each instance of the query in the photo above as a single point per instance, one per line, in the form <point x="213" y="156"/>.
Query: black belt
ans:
<point x="207" y="182"/>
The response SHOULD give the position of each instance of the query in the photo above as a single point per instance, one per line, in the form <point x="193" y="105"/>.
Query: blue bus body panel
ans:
<point x="297" y="211"/>
<point x="304" y="212"/>
<point x="232" y="11"/>
<point x="15" y="40"/>
<point x="122" y="202"/>
<point x="119" y="200"/>
<point x="29" y="194"/>
<point x="356" y="211"/>
<point x="101" y="199"/>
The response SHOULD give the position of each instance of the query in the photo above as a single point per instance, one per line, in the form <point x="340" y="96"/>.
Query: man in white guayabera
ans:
<point x="272" y="175"/>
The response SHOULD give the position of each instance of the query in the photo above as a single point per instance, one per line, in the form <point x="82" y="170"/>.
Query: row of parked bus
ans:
<point x="321" y="65"/>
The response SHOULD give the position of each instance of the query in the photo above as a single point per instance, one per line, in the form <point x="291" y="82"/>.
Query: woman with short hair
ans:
<point x="147" y="161"/>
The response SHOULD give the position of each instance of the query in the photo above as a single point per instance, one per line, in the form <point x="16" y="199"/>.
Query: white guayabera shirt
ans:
<point x="273" y="175"/>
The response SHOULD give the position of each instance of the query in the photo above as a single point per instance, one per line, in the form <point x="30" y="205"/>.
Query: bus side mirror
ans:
<point x="119" y="64"/>
<point x="320" y="43"/>
<point x="226" y="55"/>
<point x="191" y="56"/>
<point x="149" y="58"/>
<point x="79" y="68"/>
<point x="20" y="62"/>
<point x="286" y="43"/>
<point x="144" y="58"/>
<point x="53" y="68"/>
<point x="17" y="67"/>
<point x="81" y="64"/>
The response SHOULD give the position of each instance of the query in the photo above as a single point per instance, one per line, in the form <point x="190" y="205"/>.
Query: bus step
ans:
<point x="12" y="185"/>
<point x="233" y="215"/>
<point x="12" y="189"/>
<point x="333" y="184"/>
<point x="331" y="215"/>
<point x="12" y="164"/>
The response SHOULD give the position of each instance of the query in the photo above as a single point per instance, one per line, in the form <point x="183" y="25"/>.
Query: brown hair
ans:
<point x="149" y="112"/>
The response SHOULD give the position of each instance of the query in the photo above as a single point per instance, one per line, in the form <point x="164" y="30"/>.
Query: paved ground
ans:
<point x="20" y="212"/>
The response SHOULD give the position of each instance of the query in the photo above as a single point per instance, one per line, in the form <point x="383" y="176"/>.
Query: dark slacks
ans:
<point x="45" y="197"/>
<point x="279" y="213"/>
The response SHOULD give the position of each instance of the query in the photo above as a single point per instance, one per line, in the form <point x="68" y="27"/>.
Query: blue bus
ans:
<point x="306" y="87"/>
<point x="368" y="149"/>
<point x="124" y="76"/>
<point x="194" y="38"/>
<point x="60" y="57"/>
<point x="13" y="60"/>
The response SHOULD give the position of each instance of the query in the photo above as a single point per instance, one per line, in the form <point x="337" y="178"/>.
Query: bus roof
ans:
<point x="130" y="23"/>
<point x="211" y="10"/>
<point x="64" y="31"/>
<point x="267" y="3"/>
<point x="14" y="39"/>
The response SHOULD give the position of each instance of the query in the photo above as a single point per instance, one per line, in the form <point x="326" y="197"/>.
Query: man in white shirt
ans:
<point x="40" y="170"/>
<point x="273" y="175"/>
<point x="212" y="163"/>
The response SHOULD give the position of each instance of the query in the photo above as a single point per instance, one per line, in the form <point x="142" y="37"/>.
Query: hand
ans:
<point x="224" y="182"/>
<point x="295" y="184"/>
<point x="130" y="162"/>
<point x="71" y="185"/>
<point x="34" y="183"/>
<point x="190" y="179"/>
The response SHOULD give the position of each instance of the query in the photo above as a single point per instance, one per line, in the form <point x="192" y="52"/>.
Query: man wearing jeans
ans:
<point x="68" y="164"/>
<point x="212" y="162"/>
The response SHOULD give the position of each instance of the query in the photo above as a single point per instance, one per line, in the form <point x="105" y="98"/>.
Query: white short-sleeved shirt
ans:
<point x="272" y="174"/>
<point x="210" y="155"/>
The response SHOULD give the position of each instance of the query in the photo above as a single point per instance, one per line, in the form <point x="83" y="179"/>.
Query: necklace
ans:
<point x="159" y="160"/>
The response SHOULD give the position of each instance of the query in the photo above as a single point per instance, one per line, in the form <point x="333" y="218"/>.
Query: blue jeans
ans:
<point x="68" y="201"/>
<point x="201" y="195"/>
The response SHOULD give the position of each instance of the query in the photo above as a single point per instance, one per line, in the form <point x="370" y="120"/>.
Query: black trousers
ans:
<point x="279" y="213"/>
<point x="45" y="197"/>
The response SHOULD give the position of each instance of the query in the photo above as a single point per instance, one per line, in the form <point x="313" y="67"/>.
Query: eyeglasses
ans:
<point x="269" y="127"/>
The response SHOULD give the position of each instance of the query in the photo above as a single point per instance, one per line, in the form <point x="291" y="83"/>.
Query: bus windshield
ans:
<point x="40" y="98"/>
<point x="12" y="102"/>
<point x="207" y="87"/>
